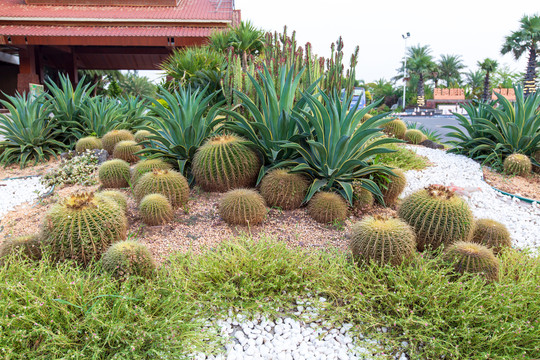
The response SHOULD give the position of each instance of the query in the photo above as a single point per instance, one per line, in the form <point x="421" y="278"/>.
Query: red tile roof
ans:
<point x="149" y="31"/>
<point x="190" y="10"/>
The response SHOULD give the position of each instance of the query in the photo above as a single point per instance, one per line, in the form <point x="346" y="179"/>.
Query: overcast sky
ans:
<point x="473" y="29"/>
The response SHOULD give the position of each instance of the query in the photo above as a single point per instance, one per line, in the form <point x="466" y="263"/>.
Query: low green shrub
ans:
<point x="402" y="158"/>
<point x="79" y="170"/>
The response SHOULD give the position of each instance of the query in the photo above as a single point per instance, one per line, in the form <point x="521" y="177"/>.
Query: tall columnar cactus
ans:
<point x="396" y="128"/>
<point x="114" y="174"/>
<point x="128" y="258"/>
<point x="438" y="217"/>
<point x="82" y="226"/>
<point x="28" y="246"/>
<point x="126" y="150"/>
<point x="285" y="190"/>
<point x="88" y="143"/>
<point x="242" y="207"/>
<point x="326" y="207"/>
<point x="383" y="240"/>
<point x="473" y="258"/>
<point x="393" y="187"/>
<point x="491" y="234"/>
<point x="169" y="183"/>
<point x="363" y="199"/>
<point x="117" y="196"/>
<point x="155" y="209"/>
<point x="142" y="135"/>
<point x="414" y="136"/>
<point x="517" y="164"/>
<point x="224" y="163"/>
<point x="113" y="137"/>
<point x="144" y="166"/>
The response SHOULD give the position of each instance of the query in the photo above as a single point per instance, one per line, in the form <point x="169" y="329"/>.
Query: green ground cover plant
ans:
<point x="52" y="310"/>
<point x="402" y="158"/>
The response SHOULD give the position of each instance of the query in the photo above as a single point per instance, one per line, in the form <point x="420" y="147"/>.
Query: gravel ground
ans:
<point x="17" y="191"/>
<point x="521" y="218"/>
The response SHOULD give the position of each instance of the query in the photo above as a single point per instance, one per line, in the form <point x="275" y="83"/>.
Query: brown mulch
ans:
<point x="528" y="187"/>
<point x="198" y="226"/>
<point x="39" y="169"/>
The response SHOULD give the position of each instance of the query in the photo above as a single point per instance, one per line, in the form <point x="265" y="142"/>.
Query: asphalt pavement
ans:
<point x="434" y="123"/>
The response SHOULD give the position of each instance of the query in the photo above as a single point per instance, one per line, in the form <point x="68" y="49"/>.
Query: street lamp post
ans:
<point x="405" y="37"/>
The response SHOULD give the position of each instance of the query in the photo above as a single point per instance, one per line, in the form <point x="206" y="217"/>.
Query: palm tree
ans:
<point x="420" y="62"/>
<point x="101" y="79"/>
<point x="489" y="66"/>
<point x="525" y="39"/>
<point x="137" y="86"/>
<point x="247" y="40"/>
<point x="474" y="80"/>
<point x="450" y="67"/>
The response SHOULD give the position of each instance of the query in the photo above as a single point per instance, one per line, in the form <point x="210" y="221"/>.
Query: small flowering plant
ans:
<point x="80" y="170"/>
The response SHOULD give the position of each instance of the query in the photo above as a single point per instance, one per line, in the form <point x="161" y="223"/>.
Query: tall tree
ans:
<point x="489" y="66"/>
<point x="138" y="86"/>
<point x="450" y="67"/>
<point x="474" y="80"/>
<point x="526" y="38"/>
<point x="420" y="62"/>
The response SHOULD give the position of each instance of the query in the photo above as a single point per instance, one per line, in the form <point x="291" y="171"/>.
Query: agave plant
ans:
<point x="134" y="112"/>
<point x="339" y="148"/>
<point x="27" y="131"/>
<point x="180" y="123"/>
<point x="494" y="132"/>
<point x="67" y="106"/>
<point x="271" y="124"/>
<point x="99" y="116"/>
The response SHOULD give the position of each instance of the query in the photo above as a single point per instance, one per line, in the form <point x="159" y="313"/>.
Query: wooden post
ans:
<point x="27" y="69"/>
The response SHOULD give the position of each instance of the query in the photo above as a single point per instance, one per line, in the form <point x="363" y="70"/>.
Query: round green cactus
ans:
<point x="169" y="183"/>
<point x="82" y="226"/>
<point x="29" y="246"/>
<point x="438" y="217"/>
<point x="395" y="128"/>
<point x="392" y="187"/>
<point x="242" y="207"/>
<point x="366" y="118"/>
<point x="491" y="234"/>
<point x="128" y="258"/>
<point x="117" y="196"/>
<point x="142" y="135"/>
<point x="114" y="174"/>
<point x="326" y="207"/>
<point x="283" y="189"/>
<point x="113" y="137"/>
<point x="363" y="199"/>
<point x="88" y="143"/>
<point x="224" y="163"/>
<point x="155" y="209"/>
<point x="473" y="258"/>
<point x="383" y="240"/>
<point x="144" y="166"/>
<point x="126" y="150"/>
<point x="517" y="164"/>
<point x="414" y="136"/>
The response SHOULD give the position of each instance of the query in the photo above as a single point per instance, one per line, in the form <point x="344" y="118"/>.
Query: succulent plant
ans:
<point x="395" y="128"/>
<point x="363" y="199"/>
<point x="126" y="150"/>
<point x="242" y="207"/>
<point x="88" y="143"/>
<point x="393" y="186"/>
<point x="142" y="135"/>
<point x="491" y="234"/>
<point x="326" y="207"/>
<point x="155" y="209"/>
<point x="282" y="189"/>
<point x="144" y="166"/>
<point x="82" y="226"/>
<point x="473" y="258"/>
<point x="225" y="163"/>
<point x="383" y="240"/>
<point x="414" y="136"/>
<point x="366" y="118"/>
<point x="438" y="217"/>
<point x="113" y="137"/>
<point x="517" y="164"/>
<point x="114" y="174"/>
<point x="169" y="183"/>
<point x="536" y="156"/>
<point x="119" y="197"/>
<point x="29" y="246"/>
<point x="128" y="258"/>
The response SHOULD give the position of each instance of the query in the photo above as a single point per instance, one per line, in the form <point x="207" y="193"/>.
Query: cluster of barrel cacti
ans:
<point x="121" y="144"/>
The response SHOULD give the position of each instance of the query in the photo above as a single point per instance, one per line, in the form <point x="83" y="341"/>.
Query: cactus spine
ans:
<point x="363" y="198"/>
<point x="28" y="245"/>
<point x="114" y="173"/>
<point x="126" y="150"/>
<point x="128" y="258"/>
<point x="142" y="135"/>
<point x="438" y="217"/>
<point x="326" y="207"/>
<point x="88" y="143"/>
<point x="155" y="209"/>
<point x="242" y="207"/>
<point x="491" y="234"/>
<point x="393" y="187"/>
<point x="283" y="189"/>
<point x="169" y="183"/>
<point x="395" y="128"/>
<point x="144" y="166"/>
<point x="473" y="258"/>
<point x="414" y="136"/>
<point x="517" y="164"/>
<point x="113" y="137"/>
<point x="117" y="196"/>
